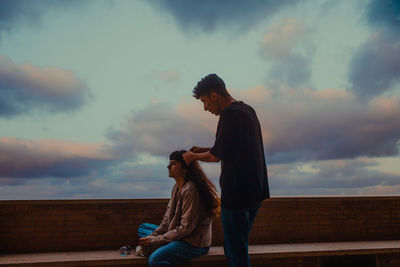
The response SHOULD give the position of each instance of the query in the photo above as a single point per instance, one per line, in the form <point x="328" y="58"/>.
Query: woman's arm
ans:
<point x="164" y="223"/>
<point x="163" y="228"/>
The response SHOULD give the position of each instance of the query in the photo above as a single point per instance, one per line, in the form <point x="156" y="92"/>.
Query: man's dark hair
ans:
<point x="210" y="83"/>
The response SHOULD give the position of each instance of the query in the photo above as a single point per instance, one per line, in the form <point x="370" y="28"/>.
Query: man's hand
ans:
<point x="144" y="241"/>
<point x="188" y="157"/>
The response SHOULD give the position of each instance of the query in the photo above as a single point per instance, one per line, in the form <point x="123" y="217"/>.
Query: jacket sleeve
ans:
<point x="189" y="219"/>
<point x="164" y="223"/>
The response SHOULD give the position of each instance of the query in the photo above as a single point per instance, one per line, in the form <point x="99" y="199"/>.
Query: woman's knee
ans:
<point x="160" y="258"/>
<point x="153" y="260"/>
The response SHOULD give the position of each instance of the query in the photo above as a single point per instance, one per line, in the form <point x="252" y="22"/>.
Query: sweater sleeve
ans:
<point x="225" y="138"/>
<point x="189" y="219"/>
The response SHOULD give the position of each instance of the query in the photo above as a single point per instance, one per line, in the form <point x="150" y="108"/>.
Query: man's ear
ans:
<point x="213" y="96"/>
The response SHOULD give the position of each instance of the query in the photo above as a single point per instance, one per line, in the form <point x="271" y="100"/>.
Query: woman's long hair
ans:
<point x="207" y="191"/>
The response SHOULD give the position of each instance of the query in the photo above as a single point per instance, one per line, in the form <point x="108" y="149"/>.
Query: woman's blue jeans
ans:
<point x="173" y="253"/>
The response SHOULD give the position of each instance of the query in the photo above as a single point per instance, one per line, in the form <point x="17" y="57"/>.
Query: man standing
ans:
<point x="239" y="147"/>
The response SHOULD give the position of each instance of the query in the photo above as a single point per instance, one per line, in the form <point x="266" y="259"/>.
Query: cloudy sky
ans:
<point x="94" y="95"/>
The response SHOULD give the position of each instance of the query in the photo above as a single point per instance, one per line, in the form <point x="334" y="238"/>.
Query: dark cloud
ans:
<point x="122" y="180"/>
<point x="385" y="13"/>
<point x="294" y="70"/>
<point x="142" y="170"/>
<point x="47" y="158"/>
<point x="287" y="47"/>
<point x="303" y="125"/>
<point x="15" y="12"/>
<point x="375" y="67"/>
<point x="208" y="15"/>
<point x="150" y="180"/>
<point x="11" y="181"/>
<point x="26" y="87"/>
<point x="298" y="125"/>
<point x="336" y="177"/>
<point x="330" y="129"/>
<point x="159" y="129"/>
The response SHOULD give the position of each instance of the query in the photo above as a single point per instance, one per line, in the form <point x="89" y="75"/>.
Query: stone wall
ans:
<point x="75" y="225"/>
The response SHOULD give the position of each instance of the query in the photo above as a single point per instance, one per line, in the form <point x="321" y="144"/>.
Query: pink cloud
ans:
<point x="169" y="76"/>
<point x="160" y="129"/>
<point x="26" y="87"/>
<point x="40" y="158"/>
<point x="325" y="124"/>
<point x="297" y="125"/>
<point x="282" y="37"/>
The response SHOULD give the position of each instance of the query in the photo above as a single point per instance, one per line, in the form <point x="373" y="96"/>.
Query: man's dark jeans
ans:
<point x="237" y="224"/>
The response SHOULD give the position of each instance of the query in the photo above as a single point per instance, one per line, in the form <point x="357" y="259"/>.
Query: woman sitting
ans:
<point x="185" y="231"/>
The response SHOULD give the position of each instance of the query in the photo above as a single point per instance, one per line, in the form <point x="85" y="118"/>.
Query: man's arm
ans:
<point x="205" y="156"/>
<point x="197" y="149"/>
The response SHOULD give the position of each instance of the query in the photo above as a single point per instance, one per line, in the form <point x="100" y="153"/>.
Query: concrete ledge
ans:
<point x="216" y="254"/>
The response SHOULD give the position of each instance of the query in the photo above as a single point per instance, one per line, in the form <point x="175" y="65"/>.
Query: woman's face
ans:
<point x="175" y="169"/>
